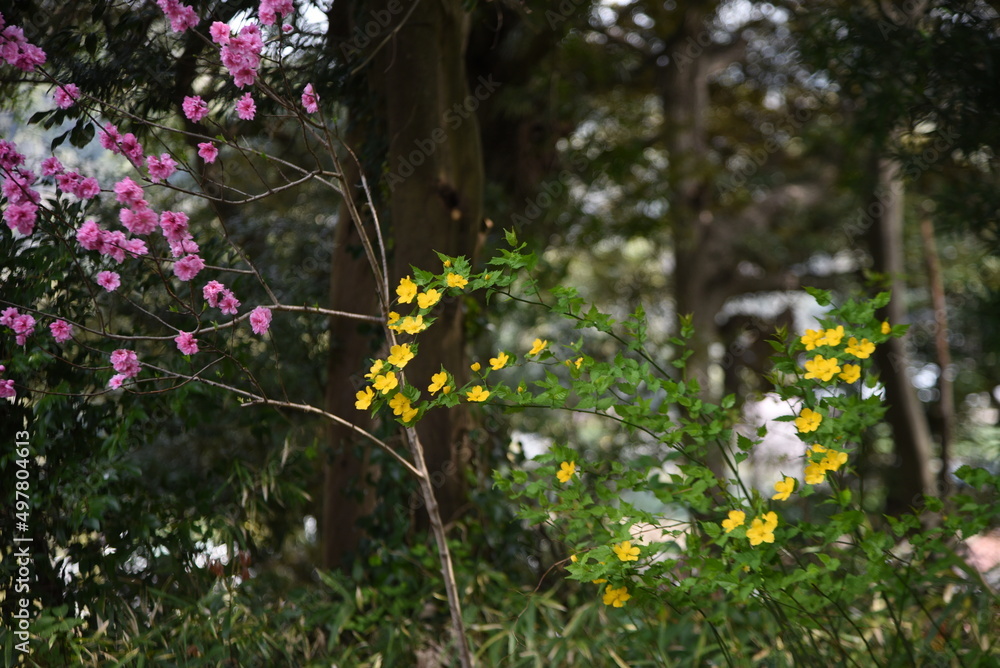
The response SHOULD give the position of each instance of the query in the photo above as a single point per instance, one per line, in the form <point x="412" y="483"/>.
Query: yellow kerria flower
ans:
<point x="364" y="397"/>
<point x="886" y="327"/>
<point x="812" y="338"/>
<point x="385" y="383"/>
<point x="816" y="447"/>
<point x="860" y="349"/>
<point x="375" y="370"/>
<point x="428" y="299"/>
<point x="736" y="519"/>
<point x="822" y="369"/>
<point x="410" y="324"/>
<point x="808" y="420"/>
<point x="400" y="355"/>
<point x="770" y="521"/>
<point x="438" y="381"/>
<point x="616" y="597"/>
<point x="625" y="551"/>
<point x="475" y="366"/>
<point x="393" y="317"/>
<point x="566" y="471"/>
<point x="477" y="394"/>
<point x="851" y="373"/>
<point x="457" y="281"/>
<point x="500" y="361"/>
<point x="760" y="532"/>
<point x="538" y="346"/>
<point x="784" y="488"/>
<point x="406" y="290"/>
<point x="410" y="413"/>
<point x="833" y="460"/>
<point x="399" y="403"/>
<point x="832" y="337"/>
<point x="815" y="473"/>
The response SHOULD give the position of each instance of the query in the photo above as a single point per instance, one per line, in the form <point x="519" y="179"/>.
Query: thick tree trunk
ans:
<point x="911" y="476"/>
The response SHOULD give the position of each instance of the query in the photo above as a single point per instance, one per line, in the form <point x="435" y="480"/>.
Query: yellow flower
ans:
<point x="833" y="460"/>
<point x="475" y="366"/>
<point x="816" y="447"/>
<point x="770" y="521"/>
<point x="736" y="519"/>
<point x="577" y="362"/>
<point x="438" y="382"/>
<point x="400" y="355"/>
<point x="477" y="394"/>
<point x="457" y="281"/>
<point x="386" y="382"/>
<point x="375" y="370"/>
<point x="566" y="471"/>
<point x="886" y="327"/>
<point x="500" y="361"/>
<point x="808" y="420"/>
<point x="851" y="373"/>
<point x="616" y="597"/>
<point x="399" y="403"/>
<point x="406" y="291"/>
<point x="832" y="337"/>
<point x="784" y="489"/>
<point x="409" y="414"/>
<point x="625" y="551"/>
<point x="393" y="317"/>
<point x="812" y="338"/>
<point x="862" y="350"/>
<point x="447" y="263"/>
<point x="365" y="397"/>
<point x="822" y="369"/>
<point x="538" y="346"/>
<point x="409" y="324"/>
<point x="428" y="299"/>
<point x="761" y="531"/>
<point x="815" y="473"/>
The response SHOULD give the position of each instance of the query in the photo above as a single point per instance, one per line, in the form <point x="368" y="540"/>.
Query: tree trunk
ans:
<point x="911" y="476"/>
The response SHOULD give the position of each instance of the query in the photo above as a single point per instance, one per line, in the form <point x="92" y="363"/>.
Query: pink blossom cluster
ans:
<point x="269" y="10"/>
<point x="186" y="343"/>
<point x="109" y="280"/>
<point x="6" y="385"/>
<point x="22" y="200"/>
<point x="61" y="330"/>
<point x="310" y="100"/>
<point x="137" y="217"/>
<point x="218" y="296"/>
<point x="181" y="16"/>
<point x="126" y="363"/>
<point x="22" y="324"/>
<point x="207" y="151"/>
<point x="15" y="49"/>
<point x="126" y="144"/>
<point x="245" y="107"/>
<point x="161" y="168"/>
<point x="78" y="186"/>
<point x="66" y="95"/>
<point x="240" y="54"/>
<point x="260" y="320"/>
<point x="194" y="108"/>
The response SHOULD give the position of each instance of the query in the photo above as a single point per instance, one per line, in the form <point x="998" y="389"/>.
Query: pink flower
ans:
<point x="245" y="108"/>
<point x="125" y="362"/>
<point x="110" y="139"/>
<point x="61" y="330"/>
<point x="136" y="247"/>
<point x="109" y="280"/>
<point x="181" y="16"/>
<point x="113" y="245"/>
<point x="67" y="95"/>
<point x="287" y="28"/>
<point x="241" y="55"/>
<point x="89" y="236"/>
<point x="132" y="149"/>
<point x="260" y="320"/>
<point x="194" y="108"/>
<point x="7" y="389"/>
<point x="129" y="193"/>
<point x="23" y="324"/>
<point x="9" y="156"/>
<point x="310" y="100"/>
<point x="228" y="303"/>
<point x="16" y="50"/>
<point x="174" y="225"/>
<point x="21" y="217"/>
<point x="116" y="381"/>
<point x="220" y="33"/>
<point x="161" y="168"/>
<point x="68" y="181"/>
<point x="211" y="293"/>
<point x="188" y="267"/>
<point x="8" y="314"/>
<point x="88" y="188"/>
<point x="138" y="221"/>
<point x="17" y="187"/>
<point x="207" y="151"/>
<point x="269" y="9"/>
<point x="185" y="246"/>
<point x="186" y="343"/>
<point x="51" y="166"/>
